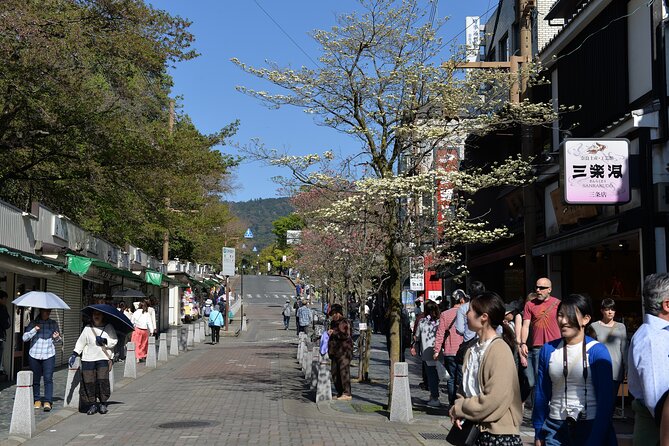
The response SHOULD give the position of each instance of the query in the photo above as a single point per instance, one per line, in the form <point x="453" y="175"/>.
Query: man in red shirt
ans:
<point x="539" y="326"/>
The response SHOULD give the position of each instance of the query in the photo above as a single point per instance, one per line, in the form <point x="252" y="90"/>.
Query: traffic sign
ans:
<point x="248" y="233"/>
<point x="255" y="249"/>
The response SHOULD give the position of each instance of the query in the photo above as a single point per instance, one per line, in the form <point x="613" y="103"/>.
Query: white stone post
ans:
<point x="174" y="342"/>
<point x="324" y="386"/>
<point x="151" y="354"/>
<point x="315" y="360"/>
<point x="190" y="340"/>
<point x="196" y="333"/>
<point x="23" y="414"/>
<point x="400" y="409"/>
<point x="162" y="347"/>
<point x="72" y="385"/>
<point x="130" y="369"/>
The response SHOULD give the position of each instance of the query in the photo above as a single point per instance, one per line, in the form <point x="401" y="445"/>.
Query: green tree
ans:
<point x="84" y="111"/>
<point x="281" y="226"/>
<point x="380" y="79"/>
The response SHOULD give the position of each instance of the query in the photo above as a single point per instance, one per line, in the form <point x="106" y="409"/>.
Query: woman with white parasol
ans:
<point x="43" y="333"/>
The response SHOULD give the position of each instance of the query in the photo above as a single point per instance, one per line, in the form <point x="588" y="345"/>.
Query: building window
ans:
<point x="504" y="48"/>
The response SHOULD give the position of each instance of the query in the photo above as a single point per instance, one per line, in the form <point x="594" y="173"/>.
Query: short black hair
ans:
<point x="3" y="295"/>
<point x="608" y="304"/>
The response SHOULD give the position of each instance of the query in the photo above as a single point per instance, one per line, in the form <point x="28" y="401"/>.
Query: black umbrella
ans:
<point x="120" y="321"/>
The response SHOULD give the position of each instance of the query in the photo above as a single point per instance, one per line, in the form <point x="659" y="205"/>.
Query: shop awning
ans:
<point x="80" y="265"/>
<point x="153" y="277"/>
<point x="28" y="264"/>
<point x="577" y="239"/>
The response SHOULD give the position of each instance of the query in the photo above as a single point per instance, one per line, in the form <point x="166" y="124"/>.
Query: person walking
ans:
<point x="451" y="340"/>
<point x="490" y="393"/>
<point x="43" y="333"/>
<point x="425" y="340"/>
<point x="340" y="350"/>
<point x="141" y="319"/>
<point x="648" y="360"/>
<point x="573" y="403"/>
<point x="206" y="312"/>
<point x="95" y="346"/>
<point x="286" y="314"/>
<point x="539" y="327"/>
<point x="216" y="321"/>
<point x="614" y="336"/>
<point x="304" y="318"/>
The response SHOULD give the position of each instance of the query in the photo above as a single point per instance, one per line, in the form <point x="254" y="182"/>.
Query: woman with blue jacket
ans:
<point x="573" y="402"/>
<point x="216" y="321"/>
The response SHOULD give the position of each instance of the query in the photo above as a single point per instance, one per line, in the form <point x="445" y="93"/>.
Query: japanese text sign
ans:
<point x="596" y="171"/>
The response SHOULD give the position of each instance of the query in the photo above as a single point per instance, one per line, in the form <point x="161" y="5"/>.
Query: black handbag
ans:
<point x="463" y="437"/>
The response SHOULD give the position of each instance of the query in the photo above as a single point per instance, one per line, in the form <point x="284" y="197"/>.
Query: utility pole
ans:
<point x="518" y="92"/>
<point x="524" y="10"/>
<point x="166" y="235"/>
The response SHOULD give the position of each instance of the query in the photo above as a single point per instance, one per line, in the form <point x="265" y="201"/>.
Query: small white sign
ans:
<point x="228" y="264"/>
<point x="362" y="326"/>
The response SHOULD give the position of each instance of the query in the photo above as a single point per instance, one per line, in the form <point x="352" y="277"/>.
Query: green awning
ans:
<point x="153" y="277"/>
<point x="80" y="265"/>
<point x="34" y="259"/>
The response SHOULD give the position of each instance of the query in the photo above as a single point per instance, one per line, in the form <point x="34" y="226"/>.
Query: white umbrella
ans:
<point x="128" y="293"/>
<point x="41" y="299"/>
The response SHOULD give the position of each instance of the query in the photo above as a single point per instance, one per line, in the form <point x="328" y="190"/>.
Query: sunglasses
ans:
<point x="542" y="287"/>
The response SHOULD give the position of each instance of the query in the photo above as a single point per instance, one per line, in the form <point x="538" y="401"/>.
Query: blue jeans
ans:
<point x="43" y="368"/>
<point x="532" y="369"/>
<point x="432" y="380"/>
<point x="563" y="433"/>
<point x="286" y="321"/>
<point x="451" y="368"/>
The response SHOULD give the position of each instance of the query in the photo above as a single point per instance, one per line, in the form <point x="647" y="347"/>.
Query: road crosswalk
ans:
<point x="269" y="296"/>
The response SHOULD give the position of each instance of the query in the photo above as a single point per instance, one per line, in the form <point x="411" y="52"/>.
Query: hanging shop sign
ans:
<point x="595" y="171"/>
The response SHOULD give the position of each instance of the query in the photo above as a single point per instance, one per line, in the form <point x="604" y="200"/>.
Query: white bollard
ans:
<point x="203" y="334"/>
<point x="162" y="347"/>
<point x="315" y="359"/>
<point x="400" y="409"/>
<point x="299" y="349"/>
<point x="324" y="386"/>
<point x="130" y="369"/>
<point x="244" y="328"/>
<point x="306" y="360"/>
<point x="72" y="385"/>
<point x="191" y="336"/>
<point x="23" y="414"/>
<point x="111" y="378"/>
<point x="151" y="354"/>
<point x="196" y="333"/>
<point x="174" y="342"/>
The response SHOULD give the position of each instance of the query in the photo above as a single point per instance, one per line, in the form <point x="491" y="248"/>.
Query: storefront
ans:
<point x="20" y="273"/>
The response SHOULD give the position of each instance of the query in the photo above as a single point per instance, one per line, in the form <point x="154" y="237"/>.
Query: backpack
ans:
<point x="207" y="310"/>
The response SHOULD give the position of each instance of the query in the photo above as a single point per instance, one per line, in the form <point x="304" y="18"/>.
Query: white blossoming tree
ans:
<point x="381" y="79"/>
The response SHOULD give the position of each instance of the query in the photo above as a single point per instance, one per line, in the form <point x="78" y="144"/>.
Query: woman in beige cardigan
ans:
<point x="490" y="393"/>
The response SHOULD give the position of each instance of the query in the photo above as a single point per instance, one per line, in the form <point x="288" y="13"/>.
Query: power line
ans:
<point x="285" y="33"/>
<point x="466" y="27"/>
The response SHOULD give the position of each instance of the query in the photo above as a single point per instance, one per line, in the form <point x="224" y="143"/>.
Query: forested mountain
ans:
<point x="258" y="215"/>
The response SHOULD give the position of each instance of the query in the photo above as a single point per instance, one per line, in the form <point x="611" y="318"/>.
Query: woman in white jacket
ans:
<point x="143" y="323"/>
<point x="95" y="346"/>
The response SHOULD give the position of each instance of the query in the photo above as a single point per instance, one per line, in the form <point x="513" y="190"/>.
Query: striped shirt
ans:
<point x="42" y="341"/>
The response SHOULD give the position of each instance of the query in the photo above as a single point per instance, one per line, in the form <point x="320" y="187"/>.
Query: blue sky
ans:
<point x="240" y="28"/>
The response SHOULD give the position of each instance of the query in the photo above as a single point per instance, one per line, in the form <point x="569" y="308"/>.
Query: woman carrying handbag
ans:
<point x="216" y="321"/>
<point x="488" y="405"/>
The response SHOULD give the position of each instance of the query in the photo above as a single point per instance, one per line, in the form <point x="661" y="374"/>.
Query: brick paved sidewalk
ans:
<point x="245" y="390"/>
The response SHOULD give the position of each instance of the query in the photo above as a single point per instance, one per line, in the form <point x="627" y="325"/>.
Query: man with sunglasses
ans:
<point x="539" y="326"/>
